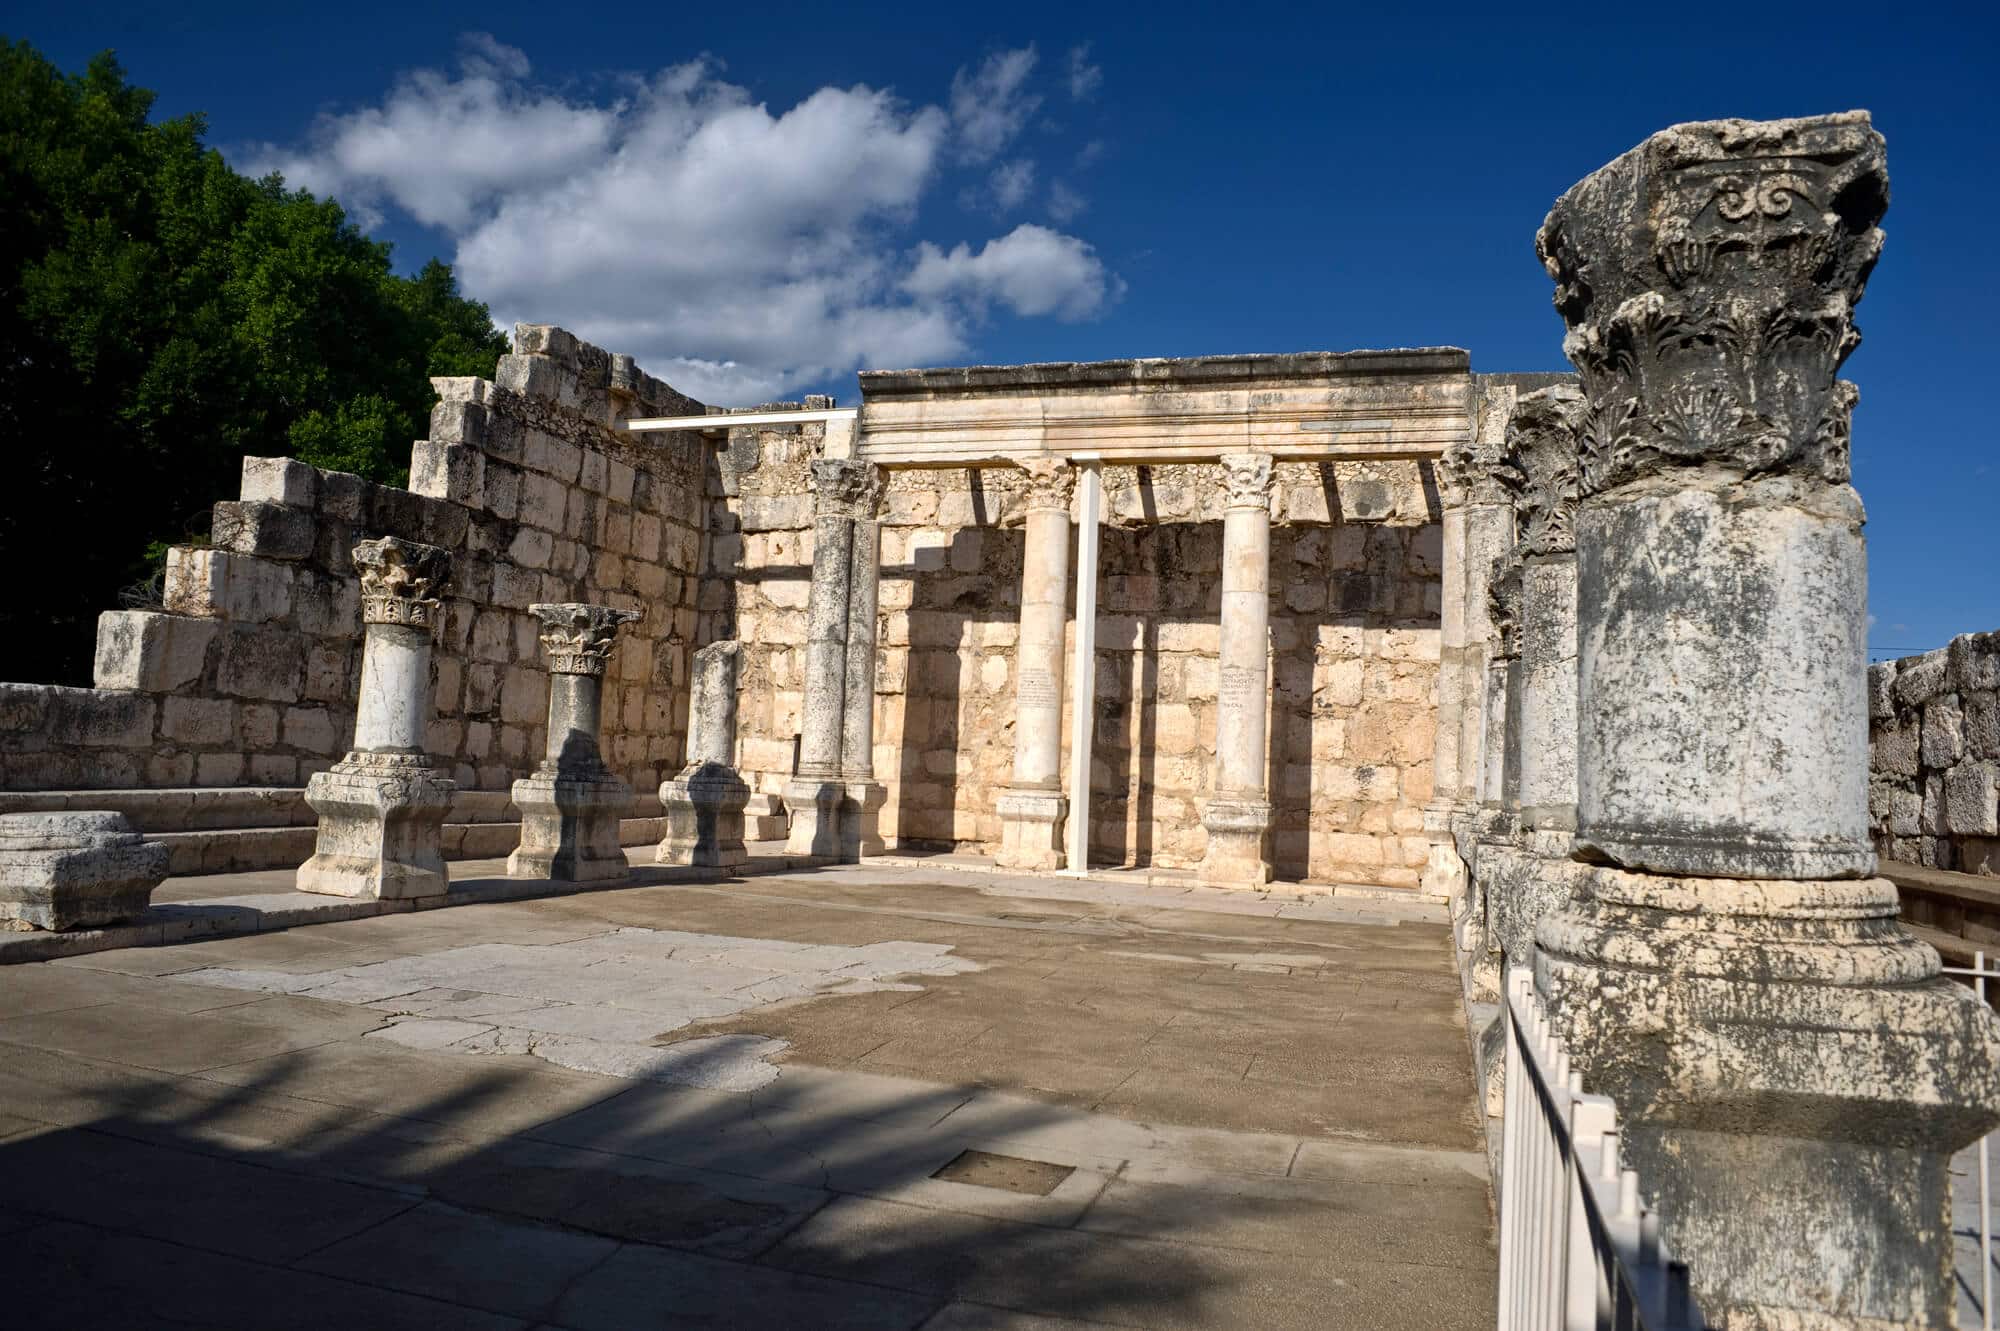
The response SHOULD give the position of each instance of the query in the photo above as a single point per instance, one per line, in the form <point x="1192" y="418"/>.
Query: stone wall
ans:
<point x="248" y="674"/>
<point x="1354" y="615"/>
<point x="1934" y="756"/>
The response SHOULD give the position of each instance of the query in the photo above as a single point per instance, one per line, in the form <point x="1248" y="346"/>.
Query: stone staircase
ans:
<point x="235" y="828"/>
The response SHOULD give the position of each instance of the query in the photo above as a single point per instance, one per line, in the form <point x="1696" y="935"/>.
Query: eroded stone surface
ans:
<point x="76" y="870"/>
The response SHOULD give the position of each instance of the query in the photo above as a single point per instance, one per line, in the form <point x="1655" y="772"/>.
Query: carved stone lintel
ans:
<point x="1708" y="278"/>
<point x="847" y="488"/>
<point x="579" y="637"/>
<point x="1050" y="483"/>
<point x="1246" y="478"/>
<point x="1543" y="438"/>
<point x="402" y="582"/>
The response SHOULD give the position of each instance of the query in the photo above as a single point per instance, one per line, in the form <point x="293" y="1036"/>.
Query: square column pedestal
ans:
<point x="1237" y="833"/>
<point x="861" y="818"/>
<point x="381" y="827"/>
<point x="705" y="806"/>
<point x="569" y="828"/>
<point x="1031" y="828"/>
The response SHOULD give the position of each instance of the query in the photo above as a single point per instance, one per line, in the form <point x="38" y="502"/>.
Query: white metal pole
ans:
<point x="1985" y="1184"/>
<point x="1083" y="665"/>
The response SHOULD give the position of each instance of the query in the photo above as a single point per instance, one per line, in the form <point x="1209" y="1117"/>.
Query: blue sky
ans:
<point x="758" y="198"/>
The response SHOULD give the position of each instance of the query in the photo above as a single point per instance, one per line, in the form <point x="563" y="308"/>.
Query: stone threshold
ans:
<point x="1148" y="876"/>
<point x="187" y="921"/>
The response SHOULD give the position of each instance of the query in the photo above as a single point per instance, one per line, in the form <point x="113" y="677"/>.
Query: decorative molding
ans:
<point x="1708" y="278"/>
<point x="1541" y="468"/>
<point x="402" y="582"/>
<point x="847" y="488"/>
<point x="579" y="637"/>
<point x="1049" y="485"/>
<point x="1246" y="479"/>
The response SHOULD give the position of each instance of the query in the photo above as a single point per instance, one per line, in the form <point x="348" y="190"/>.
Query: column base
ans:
<point x="1236" y="856"/>
<point x="1031" y="829"/>
<point x="813" y="805"/>
<point x="705" y="804"/>
<point x="78" y="870"/>
<point x="1779" y="1050"/>
<point x="861" y="819"/>
<point x="1523" y="881"/>
<point x="1445" y="878"/>
<point x="381" y="828"/>
<point x="569" y="828"/>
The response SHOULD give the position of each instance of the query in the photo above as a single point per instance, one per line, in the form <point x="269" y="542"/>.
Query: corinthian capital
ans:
<point x="1246" y="479"/>
<point x="402" y="581"/>
<point x="846" y="487"/>
<point x="1541" y="469"/>
<point x="1050" y="483"/>
<point x="579" y="637"/>
<point x="1708" y="278"/>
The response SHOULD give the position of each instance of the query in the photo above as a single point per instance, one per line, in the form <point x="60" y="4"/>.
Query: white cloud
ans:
<point x="738" y="250"/>
<point x="1012" y="182"/>
<point x="1084" y="78"/>
<point x="1031" y="271"/>
<point x="1065" y="204"/>
<point x="989" y="105"/>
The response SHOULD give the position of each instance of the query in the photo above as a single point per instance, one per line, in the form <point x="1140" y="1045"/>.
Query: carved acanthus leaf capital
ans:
<point x="1541" y="468"/>
<point x="846" y="487"/>
<point x="1246" y="480"/>
<point x="579" y="637"/>
<point x="1708" y="278"/>
<point x="1050" y="483"/>
<point x="402" y="582"/>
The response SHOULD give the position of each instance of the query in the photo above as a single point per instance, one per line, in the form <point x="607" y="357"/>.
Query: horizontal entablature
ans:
<point x="1350" y="417"/>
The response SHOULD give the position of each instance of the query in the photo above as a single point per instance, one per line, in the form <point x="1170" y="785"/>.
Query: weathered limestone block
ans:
<point x="76" y="870"/>
<point x="706" y="800"/>
<point x="571" y="805"/>
<point x="381" y="808"/>
<point x="284" y="481"/>
<point x="269" y="530"/>
<point x="1778" y="1045"/>
<point x="151" y="651"/>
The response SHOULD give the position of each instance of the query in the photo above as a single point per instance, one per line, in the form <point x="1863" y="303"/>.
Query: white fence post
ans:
<point x="1578" y="1252"/>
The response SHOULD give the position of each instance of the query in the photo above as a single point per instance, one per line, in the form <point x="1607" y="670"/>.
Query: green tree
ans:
<point x="161" y="316"/>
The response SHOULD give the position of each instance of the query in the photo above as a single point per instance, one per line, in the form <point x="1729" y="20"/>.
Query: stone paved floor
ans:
<point x="876" y="1097"/>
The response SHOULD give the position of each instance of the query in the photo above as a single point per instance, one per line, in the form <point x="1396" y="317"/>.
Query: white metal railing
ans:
<point x="1578" y="1250"/>
<point x="1979" y="976"/>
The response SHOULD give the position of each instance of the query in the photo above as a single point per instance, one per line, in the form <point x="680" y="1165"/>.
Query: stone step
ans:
<point x="238" y="849"/>
<point x="205" y="808"/>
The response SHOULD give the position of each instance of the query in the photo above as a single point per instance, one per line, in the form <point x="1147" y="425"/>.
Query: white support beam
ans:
<point x="717" y="423"/>
<point x="1083" y="664"/>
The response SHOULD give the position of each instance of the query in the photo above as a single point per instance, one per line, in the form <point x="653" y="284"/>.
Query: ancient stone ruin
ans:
<point x="1581" y="655"/>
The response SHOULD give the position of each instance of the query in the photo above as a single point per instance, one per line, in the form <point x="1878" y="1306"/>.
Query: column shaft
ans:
<point x="1031" y="808"/>
<point x="1239" y="814"/>
<point x="822" y="732"/>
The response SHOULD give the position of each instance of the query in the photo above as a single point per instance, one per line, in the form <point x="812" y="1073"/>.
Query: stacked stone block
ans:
<point x="1934" y="756"/>
<point x="247" y="675"/>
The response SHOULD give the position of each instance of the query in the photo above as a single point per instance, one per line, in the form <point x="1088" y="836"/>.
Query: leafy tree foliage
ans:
<point x="161" y="316"/>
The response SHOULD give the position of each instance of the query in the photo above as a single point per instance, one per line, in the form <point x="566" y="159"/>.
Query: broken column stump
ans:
<point x="705" y="800"/>
<point x="80" y="870"/>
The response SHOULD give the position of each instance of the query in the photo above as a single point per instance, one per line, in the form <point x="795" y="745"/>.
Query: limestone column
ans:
<point x="381" y="808"/>
<point x="862" y="795"/>
<point x="1238" y="816"/>
<point x="1533" y="874"/>
<point x="571" y="805"/>
<point x="1792" y="1073"/>
<point x="1444" y="870"/>
<point x="813" y="796"/>
<point x="1032" y="807"/>
<point x="706" y="799"/>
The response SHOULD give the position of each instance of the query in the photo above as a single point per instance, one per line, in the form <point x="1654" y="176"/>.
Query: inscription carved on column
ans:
<point x="1246" y="479"/>
<point x="1050" y="483"/>
<point x="1037" y="688"/>
<point x="1709" y="328"/>
<point x="1239" y="687"/>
